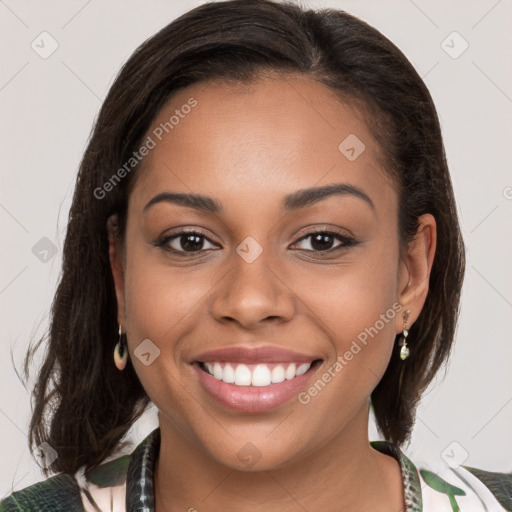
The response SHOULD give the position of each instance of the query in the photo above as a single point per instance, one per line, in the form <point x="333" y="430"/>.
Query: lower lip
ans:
<point x="252" y="398"/>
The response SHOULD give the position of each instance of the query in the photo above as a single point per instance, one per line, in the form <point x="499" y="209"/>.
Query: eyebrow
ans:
<point x="300" y="199"/>
<point x="309" y="196"/>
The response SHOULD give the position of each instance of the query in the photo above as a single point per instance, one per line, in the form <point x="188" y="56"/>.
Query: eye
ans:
<point x="323" y="240"/>
<point x="196" y="242"/>
<point x="185" y="242"/>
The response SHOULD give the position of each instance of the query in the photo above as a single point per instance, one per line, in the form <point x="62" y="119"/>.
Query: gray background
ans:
<point x="47" y="110"/>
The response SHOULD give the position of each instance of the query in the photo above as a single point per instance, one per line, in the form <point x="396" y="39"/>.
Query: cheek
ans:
<point x="162" y="304"/>
<point x="351" y="296"/>
<point x="356" y="307"/>
<point x="159" y="301"/>
<point x="359" y="319"/>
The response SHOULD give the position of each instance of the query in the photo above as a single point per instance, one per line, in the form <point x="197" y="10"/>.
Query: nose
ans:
<point x="253" y="294"/>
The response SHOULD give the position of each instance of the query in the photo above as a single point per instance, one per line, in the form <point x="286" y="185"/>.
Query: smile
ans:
<point x="253" y="388"/>
<point x="258" y="375"/>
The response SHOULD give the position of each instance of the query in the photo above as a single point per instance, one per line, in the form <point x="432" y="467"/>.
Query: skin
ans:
<point x="248" y="147"/>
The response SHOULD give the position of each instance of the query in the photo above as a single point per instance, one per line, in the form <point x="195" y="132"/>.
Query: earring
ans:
<point x="120" y="352"/>
<point x="404" y="351"/>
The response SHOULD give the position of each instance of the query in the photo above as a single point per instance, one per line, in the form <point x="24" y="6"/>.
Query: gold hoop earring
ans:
<point x="404" y="351"/>
<point x="120" y="352"/>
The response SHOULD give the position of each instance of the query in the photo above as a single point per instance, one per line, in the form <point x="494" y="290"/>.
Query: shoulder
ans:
<point x="102" y="488"/>
<point x="58" y="493"/>
<point x="466" y="488"/>
<point x="71" y="493"/>
<point x="450" y="488"/>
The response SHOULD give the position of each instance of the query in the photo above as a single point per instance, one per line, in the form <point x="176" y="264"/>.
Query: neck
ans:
<point x="345" y="472"/>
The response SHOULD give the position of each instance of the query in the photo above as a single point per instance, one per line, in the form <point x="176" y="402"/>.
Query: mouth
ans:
<point x="254" y="387"/>
<point x="256" y="375"/>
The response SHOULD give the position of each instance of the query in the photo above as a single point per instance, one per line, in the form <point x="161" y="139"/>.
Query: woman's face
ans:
<point x="260" y="271"/>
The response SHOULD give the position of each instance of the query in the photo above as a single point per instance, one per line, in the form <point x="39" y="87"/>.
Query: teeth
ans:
<point x="242" y="375"/>
<point x="228" y="374"/>
<point x="302" y="369"/>
<point x="290" y="372"/>
<point x="278" y="374"/>
<point x="256" y="375"/>
<point x="261" y="376"/>
<point x="217" y="371"/>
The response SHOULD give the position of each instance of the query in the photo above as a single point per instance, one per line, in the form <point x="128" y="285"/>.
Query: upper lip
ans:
<point x="267" y="354"/>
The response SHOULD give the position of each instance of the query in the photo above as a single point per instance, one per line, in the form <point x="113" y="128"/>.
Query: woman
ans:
<point x="263" y="242"/>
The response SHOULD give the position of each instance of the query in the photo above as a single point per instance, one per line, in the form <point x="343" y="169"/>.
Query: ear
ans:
<point x="117" y="265"/>
<point x="415" y="267"/>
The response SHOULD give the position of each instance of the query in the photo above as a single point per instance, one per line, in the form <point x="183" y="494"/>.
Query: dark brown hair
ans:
<point x="82" y="405"/>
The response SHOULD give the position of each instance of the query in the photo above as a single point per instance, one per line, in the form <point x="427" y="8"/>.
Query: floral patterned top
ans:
<point x="125" y="484"/>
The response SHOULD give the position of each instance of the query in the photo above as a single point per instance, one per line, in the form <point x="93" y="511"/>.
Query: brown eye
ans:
<point x="185" y="242"/>
<point x="322" y="241"/>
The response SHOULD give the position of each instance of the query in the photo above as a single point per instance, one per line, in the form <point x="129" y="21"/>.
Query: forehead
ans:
<point x="259" y="141"/>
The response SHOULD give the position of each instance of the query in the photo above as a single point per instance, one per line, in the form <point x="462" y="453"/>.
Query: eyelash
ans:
<point x="346" y="241"/>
